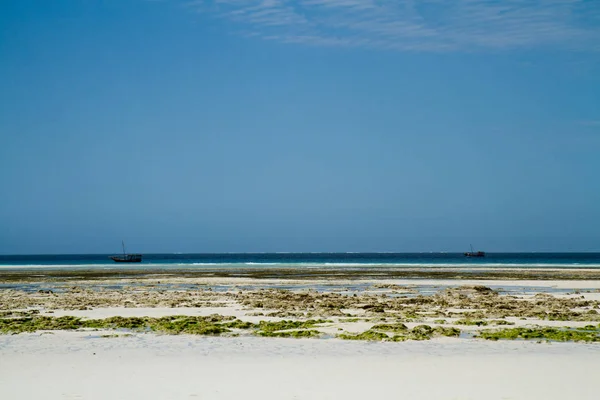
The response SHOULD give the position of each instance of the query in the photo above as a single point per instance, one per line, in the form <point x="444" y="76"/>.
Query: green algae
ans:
<point x="349" y="319"/>
<point x="369" y="335"/>
<point x="188" y="325"/>
<point x="475" y="322"/>
<point x="237" y="324"/>
<point x="591" y="327"/>
<point x="169" y="325"/>
<point x="376" y="308"/>
<point x="471" y="322"/>
<point x="449" y="332"/>
<point x="18" y="314"/>
<point x="115" y="335"/>
<point x="552" y="334"/>
<point x="285" y="328"/>
<point x="419" y="332"/>
<point x="172" y="325"/>
<point x="390" y="327"/>
<point x="133" y="323"/>
<point x="501" y="322"/>
<point x="38" y="323"/>
<point x="270" y="326"/>
<point x="290" y="334"/>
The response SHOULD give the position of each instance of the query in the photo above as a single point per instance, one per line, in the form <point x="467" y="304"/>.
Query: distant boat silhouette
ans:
<point x="474" y="253"/>
<point x="126" y="258"/>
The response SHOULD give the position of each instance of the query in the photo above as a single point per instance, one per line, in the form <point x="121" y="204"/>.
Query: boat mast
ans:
<point x="471" y="248"/>
<point x="123" y="244"/>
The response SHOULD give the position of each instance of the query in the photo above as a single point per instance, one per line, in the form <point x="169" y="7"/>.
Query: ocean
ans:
<point x="305" y="260"/>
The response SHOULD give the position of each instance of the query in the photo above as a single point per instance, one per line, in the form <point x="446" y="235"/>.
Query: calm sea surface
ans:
<point x="308" y="260"/>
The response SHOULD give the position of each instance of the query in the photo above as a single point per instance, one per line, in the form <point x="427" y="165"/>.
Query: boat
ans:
<point x="474" y="253"/>
<point x="126" y="258"/>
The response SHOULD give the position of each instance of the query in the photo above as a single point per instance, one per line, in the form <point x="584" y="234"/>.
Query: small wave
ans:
<point x="292" y="264"/>
<point x="262" y="263"/>
<point x="199" y="264"/>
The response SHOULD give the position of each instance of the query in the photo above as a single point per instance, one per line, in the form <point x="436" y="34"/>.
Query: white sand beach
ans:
<point x="84" y="365"/>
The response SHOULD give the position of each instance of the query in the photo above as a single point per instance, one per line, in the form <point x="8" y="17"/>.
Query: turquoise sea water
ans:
<point x="308" y="260"/>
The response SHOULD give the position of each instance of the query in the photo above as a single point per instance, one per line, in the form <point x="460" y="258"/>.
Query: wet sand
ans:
<point x="49" y="273"/>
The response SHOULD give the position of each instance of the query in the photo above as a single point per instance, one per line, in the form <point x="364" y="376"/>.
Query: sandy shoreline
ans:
<point x="75" y="366"/>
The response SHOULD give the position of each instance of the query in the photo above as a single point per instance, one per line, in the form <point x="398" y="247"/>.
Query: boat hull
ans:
<point x="475" y="254"/>
<point x="134" y="258"/>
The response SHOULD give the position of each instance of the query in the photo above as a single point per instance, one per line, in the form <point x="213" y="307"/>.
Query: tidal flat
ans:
<point x="325" y="303"/>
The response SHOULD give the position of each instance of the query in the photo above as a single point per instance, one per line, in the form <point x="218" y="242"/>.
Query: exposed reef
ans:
<point x="348" y="307"/>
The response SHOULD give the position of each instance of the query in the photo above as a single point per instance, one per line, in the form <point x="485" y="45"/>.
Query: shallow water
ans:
<point x="307" y="261"/>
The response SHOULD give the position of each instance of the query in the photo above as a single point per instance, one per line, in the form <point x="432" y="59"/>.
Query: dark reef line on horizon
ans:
<point x="305" y="274"/>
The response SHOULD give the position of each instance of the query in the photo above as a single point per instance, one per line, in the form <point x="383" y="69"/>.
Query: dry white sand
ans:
<point x="82" y="365"/>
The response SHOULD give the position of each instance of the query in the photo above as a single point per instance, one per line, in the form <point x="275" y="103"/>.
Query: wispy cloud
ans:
<point x="416" y="25"/>
<point x="590" y="123"/>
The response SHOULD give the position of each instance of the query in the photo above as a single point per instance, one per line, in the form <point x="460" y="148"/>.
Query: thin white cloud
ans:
<point x="590" y="123"/>
<point x="416" y="25"/>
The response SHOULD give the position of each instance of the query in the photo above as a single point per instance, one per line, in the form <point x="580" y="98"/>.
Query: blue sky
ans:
<point x="305" y="125"/>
